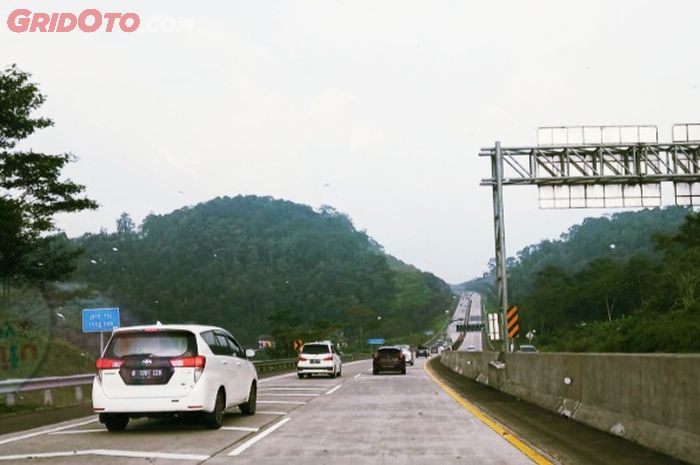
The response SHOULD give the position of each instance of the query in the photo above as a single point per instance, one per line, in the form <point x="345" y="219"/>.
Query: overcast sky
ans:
<point x="377" y="108"/>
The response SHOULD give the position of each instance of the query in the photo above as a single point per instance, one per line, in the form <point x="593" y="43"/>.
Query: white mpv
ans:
<point x="160" y="370"/>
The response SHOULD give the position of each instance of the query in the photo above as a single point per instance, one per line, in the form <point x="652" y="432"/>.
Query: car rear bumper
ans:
<point x="315" y="368"/>
<point x="200" y="398"/>
<point x="389" y="366"/>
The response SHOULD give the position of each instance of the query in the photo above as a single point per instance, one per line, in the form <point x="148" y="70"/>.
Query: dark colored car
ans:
<point x="422" y="352"/>
<point x="389" y="358"/>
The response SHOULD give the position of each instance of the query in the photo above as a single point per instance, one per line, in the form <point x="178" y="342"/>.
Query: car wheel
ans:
<point x="115" y="423"/>
<point x="403" y="371"/>
<point x="248" y="408"/>
<point x="333" y="373"/>
<point x="340" y="372"/>
<point x="301" y="376"/>
<point x="375" y="372"/>
<point x="214" y="420"/>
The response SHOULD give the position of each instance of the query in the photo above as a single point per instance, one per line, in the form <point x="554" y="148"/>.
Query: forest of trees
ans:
<point x="624" y="283"/>
<point x="257" y="266"/>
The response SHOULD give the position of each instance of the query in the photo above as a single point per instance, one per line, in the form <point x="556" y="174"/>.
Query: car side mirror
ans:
<point x="249" y="353"/>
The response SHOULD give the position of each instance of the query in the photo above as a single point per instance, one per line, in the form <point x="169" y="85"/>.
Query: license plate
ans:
<point x="315" y="361"/>
<point x="147" y="373"/>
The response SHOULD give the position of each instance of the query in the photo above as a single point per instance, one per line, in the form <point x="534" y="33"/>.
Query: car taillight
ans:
<point x="325" y="359"/>
<point x="302" y="359"/>
<point x="106" y="364"/>
<point x="198" y="363"/>
<point x="402" y="356"/>
<point x="189" y="362"/>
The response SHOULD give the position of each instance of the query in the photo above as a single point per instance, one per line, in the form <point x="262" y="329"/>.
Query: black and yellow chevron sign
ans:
<point x="512" y="321"/>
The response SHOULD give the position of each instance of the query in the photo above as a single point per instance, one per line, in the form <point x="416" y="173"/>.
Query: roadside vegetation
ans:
<point x="625" y="283"/>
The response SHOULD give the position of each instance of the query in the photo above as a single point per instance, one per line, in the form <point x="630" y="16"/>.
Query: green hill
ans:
<point x="258" y="265"/>
<point x="628" y="282"/>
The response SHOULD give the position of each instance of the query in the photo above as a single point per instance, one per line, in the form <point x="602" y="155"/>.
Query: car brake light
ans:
<point x="330" y="357"/>
<point x="151" y="330"/>
<point x="302" y="359"/>
<point x="108" y="363"/>
<point x="188" y="362"/>
<point x="198" y="363"/>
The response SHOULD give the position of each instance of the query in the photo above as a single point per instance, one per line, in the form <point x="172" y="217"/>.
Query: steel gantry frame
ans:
<point x="604" y="173"/>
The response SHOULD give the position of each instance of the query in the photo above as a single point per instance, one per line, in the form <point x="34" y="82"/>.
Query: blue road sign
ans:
<point x="375" y="342"/>
<point x="98" y="320"/>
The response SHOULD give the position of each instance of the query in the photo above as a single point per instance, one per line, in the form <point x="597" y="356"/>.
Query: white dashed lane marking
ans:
<point x="289" y="402"/>
<point x="79" y="431"/>
<point x="46" y="431"/>
<point x="240" y="428"/>
<point x="240" y="449"/>
<point x="333" y="390"/>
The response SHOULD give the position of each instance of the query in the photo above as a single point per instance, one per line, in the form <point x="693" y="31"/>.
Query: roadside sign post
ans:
<point x="374" y="342"/>
<point x="99" y="320"/>
<point x="297" y="344"/>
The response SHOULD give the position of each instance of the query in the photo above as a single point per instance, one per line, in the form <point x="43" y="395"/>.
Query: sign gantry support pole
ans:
<point x="500" y="239"/>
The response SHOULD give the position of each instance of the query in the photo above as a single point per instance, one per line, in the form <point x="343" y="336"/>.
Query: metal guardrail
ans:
<point x="11" y="387"/>
<point x="36" y="384"/>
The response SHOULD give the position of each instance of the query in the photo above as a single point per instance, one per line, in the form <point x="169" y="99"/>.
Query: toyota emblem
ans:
<point x="146" y="361"/>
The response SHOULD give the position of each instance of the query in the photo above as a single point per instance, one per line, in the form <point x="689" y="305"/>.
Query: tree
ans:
<point x="125" y="225"/>
<point x="31" y="188"/>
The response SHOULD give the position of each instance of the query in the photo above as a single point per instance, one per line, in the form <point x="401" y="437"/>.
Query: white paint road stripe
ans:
<point x="269" y="412"/>
<point x="79" y="431"/>
<point x="290" y="402"/>
<point x="357" y="375"/>
<point x="108" y="453"/>
<point x="47" y="431"/>
<point x="240" y="449"/>
<point x="333" y="390"/>
<point x="283" y="388"/>
<point x="286" y="394"/>
<point x="240" y="428"/>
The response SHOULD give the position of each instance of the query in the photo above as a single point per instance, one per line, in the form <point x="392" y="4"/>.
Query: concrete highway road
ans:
<point x="473" y="338"/>
<point x="356" y="419"/>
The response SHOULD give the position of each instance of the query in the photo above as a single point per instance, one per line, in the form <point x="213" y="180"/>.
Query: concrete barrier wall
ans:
<point x="650" y="399"/>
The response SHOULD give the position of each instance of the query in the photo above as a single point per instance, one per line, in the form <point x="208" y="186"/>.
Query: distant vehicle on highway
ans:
<point x="527" y="348"/>
<point x="408" y="353"/>
<point x="389" y="358"/>
<point x="422" y="351"/>
<point x="471" y="349"/>
<point x="319" y="358"/>
<point x="157" y="370"/>
<point x="434" y="350"/>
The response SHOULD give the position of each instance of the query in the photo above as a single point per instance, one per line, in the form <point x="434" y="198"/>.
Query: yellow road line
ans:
<point x="532" y="454"/>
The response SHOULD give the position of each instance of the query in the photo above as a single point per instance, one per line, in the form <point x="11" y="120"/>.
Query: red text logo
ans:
<point x="90" y="20"/>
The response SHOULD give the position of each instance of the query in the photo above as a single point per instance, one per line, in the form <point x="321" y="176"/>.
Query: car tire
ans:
<point x="375" y="372"/>
<point x="333" y="374"/>
<point x="403" y="371"/>
<point x="115" y="423"/>
<point x="340" y="372"/>
<point x="214" y="419"/>
<point x="248" y="408"/>
<point x="301" y="376"/>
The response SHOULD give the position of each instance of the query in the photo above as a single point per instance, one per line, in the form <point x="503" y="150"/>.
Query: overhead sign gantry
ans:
<point x="593" y="167"/>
